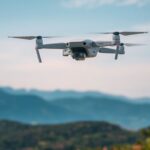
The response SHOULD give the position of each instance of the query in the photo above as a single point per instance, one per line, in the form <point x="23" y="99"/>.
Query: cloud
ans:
<point x="95" y="3"/>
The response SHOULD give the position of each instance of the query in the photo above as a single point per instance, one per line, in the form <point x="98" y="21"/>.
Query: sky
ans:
<point x="74" y="20"/>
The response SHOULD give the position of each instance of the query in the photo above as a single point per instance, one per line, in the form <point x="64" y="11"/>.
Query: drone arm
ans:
<point x="48" y="46"/>
<point x="54" y="46"/>
<point x="107" y="50"/>
<point x="104" y="43"/>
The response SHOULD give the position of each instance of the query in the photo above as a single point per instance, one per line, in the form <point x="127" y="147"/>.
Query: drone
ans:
<point x="80" y="50"/>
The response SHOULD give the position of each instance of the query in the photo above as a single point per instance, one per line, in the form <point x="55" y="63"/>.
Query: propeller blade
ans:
<point x="31" y="37"/>
<point x="125" y="33"/>
<point x="132" y="33"/>
<point x="23" y="37"/>
<point x="50" y="37"/>
<point x="133" y="44"/>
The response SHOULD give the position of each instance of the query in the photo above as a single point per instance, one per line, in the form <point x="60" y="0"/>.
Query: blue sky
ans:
<point x="33" y="16"/>
<point x="19" y="68"/>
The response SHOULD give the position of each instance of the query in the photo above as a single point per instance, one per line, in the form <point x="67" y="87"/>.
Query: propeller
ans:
<point x="125" y="33"/>
<point x="31" y="37"/>
<point x="133" y="44"/>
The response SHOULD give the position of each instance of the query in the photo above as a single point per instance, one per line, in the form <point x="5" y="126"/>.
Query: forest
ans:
<point x="71" y="136"/>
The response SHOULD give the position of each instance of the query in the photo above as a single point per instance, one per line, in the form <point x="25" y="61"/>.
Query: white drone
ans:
<point x="80" y="50"/>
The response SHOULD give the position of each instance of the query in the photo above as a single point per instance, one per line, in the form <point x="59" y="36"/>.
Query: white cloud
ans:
<point x="95" y="3"/>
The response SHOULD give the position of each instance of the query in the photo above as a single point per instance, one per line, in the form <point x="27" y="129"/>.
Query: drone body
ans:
<point x="80" y="50"/>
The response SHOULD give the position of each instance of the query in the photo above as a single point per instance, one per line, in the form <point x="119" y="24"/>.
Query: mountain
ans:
<point x="51" y="95"/>
<point x="59" y="94"/>
<point x="32" y="109"/>
<point x="124" y="113"/>
<point x="70" y="106"/>
<point x="81" y="135"/>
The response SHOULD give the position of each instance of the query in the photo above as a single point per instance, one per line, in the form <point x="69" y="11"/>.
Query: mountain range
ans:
<point x="43" y="107"/>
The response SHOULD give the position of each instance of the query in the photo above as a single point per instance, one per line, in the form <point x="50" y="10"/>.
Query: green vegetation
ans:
<point x="73" y="136"/>
<point x="143" y="144"/>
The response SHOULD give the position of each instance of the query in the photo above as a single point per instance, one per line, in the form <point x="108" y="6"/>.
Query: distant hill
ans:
<point x="59" y="94"/>
<point x="51" y="95"/>
<point x="62" y="107"/>
<point x="32" y="109"/>
<point x="16" y="136"/>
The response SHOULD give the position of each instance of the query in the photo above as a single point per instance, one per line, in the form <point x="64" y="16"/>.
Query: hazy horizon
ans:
<point x="130" y="98"/>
